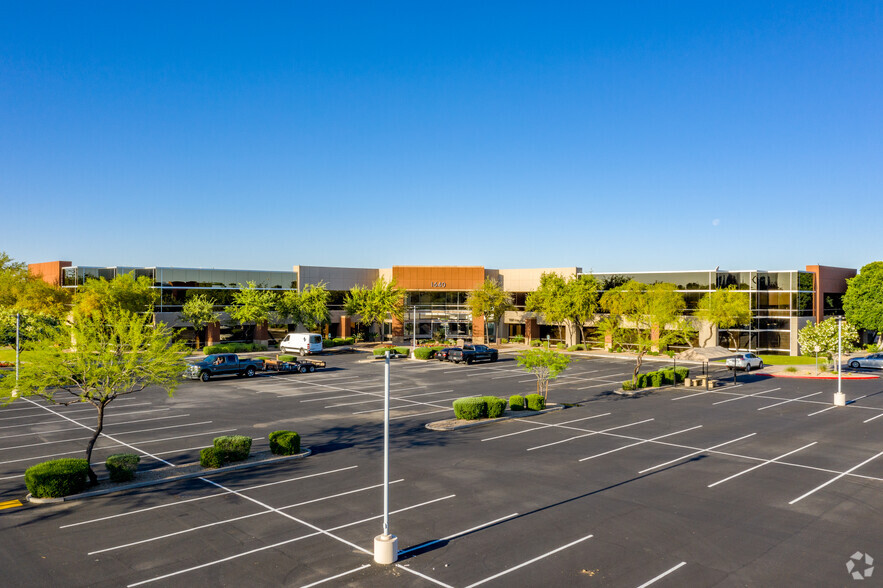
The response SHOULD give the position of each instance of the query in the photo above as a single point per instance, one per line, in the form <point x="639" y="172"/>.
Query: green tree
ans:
<point x="725" y="308"/>
<point x="545" y="364"/>
<point x="116" y="354"/>
<point x="647" y="309"/>
<point x="314" y="306"/>
<point x="489" y="302"/>
<point x="252" y="304"/>
<point x="383" y="299"/>
<point x="863" y="300"/>
<point x="32" y="325"/>
<point x="824" y="337"/>
<point x="564" y="301"/>
<point x="21" y="291"/>
<point x="98" y="297"/>
<point x="199" y="311"/>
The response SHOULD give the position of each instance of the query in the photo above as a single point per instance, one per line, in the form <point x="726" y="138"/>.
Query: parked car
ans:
<point x="471" y="353"/>
<point x="442" y="354"/>
<point x="745" y="361"/>
<point x="301" y="343"/>
<point x="875" y="360"/>
<point x="222" y="364"/>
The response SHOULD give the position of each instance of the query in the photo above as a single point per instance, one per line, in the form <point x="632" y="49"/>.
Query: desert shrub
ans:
<point x="517" y="339"/>
<point x="122" y="466"/>
<point x="57" y="478"/>
<point x="470" y="408"/>
<point x="516" y="402"/>
<point x="424" y="353"/>
<point x="560" y="346"/>
<point x="504" y="341"/>
<point x="233" y="447"/>
<point x="284" y="443"/>
<point x="641" y="381"/>
<point x="628" y="385"/>
<point x="495" y="406"/>
<point x="536" y="343"/>
<point x="791" y="369"/>
<point x="535" y="402"/>
<point x="210" y="458"/>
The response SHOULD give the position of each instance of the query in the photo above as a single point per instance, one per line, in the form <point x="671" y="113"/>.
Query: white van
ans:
<point x="301" y="343"/>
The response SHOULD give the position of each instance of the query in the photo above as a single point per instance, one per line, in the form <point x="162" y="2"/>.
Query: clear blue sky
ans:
<point x="614" y="136"/>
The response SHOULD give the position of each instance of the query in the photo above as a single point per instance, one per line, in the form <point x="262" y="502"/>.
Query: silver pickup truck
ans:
<point x="222" y="364"/>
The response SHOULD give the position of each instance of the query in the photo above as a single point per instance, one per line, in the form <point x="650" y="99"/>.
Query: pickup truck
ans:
<point x="471" y="353"/>
<point x="222" y="364"/>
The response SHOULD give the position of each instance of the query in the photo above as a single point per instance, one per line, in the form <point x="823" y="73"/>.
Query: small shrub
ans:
<point x="57" y="478"/>
<point x="536" y="343"/>
<point x="628" y="385"/>
<point x="424" y="353"/>
<point x="517" y="339"/>
<point x="470" y="409"/>
<point x="495" y="406"/>
<point x="516" y="402"/>
<point x="210" y="458"/>
<point x="560" y="346"/>
<point x="535" y="402"/>
<point x="682" y="373"/>
<point x="233" y="447"/>
<point x="791" y="369"/>
<point x="403" y="350"/>
<point x="656" y="379"/>
<point x="504" y="341"/>
<point x="641" y="381"/>
<point x="122" y="466"/>
<point x="381" y="351"/>
<point x="284" y="443"/>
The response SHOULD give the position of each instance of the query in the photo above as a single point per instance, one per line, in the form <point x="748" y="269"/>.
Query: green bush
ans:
<point x="682" y="373"/>
<point x="642" y="381"/>
<point x="628" y="385"/>
<point x="517" y="339"/>
<point x="284" y="443"/>
<point x="560" y="346"/>
<point x="516" y="402"/>
<point x="655" y="379"/>
<point x="504" y="341"/>
<point x="403" y="350"/>
<point x="233" y="447"/>
<point x="536" y="343"/>
<point x="122" y="466"/>
<point x="495" y="406"/>
<point x="57" y="478"/>
<point x="381" y="351"/>
<point x="470" y="409"/>
<point x="210" y="458"/>
<point x="233" y="348"/>
<point x="424" y="353"/>
<point x="535" y="402"/>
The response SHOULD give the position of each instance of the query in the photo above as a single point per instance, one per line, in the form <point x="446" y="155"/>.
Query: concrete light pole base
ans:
<point x="386" y="549"/>
<point x="839" y="399"/>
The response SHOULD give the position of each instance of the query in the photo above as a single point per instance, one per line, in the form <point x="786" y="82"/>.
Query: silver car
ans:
<point x="875" y="360"/>
<point x="745" y="361"/>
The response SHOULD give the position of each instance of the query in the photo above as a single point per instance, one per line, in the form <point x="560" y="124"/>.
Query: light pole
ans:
<point x="386" y="546"/>
<point x="839" y="397"/>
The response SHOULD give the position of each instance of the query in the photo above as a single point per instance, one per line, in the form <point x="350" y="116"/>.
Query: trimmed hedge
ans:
<point x="210" y="458"/>
<point x="57" y="478"/>
<point x="495" y="406"/>
<point x="535" y="402"/>
<point x="233" y="447"/>
<point x="233" y="348"/>
<point x="470" y="409"/>
<point x="663" y="377"/>
<point x="516" y="402"/>
<point x="122" y="466"/>
<point x="425" y="352"/>
<point x="284" y="443"/>
<point x="334" y="342"/>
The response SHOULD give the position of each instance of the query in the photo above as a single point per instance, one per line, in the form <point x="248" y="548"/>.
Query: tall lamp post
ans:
<point x="386" y="546"/>
<point x="839" y="397"/>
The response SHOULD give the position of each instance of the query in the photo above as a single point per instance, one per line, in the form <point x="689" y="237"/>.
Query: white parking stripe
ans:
<point x="347" y="573"/>
<point x="589" y="434"/>
<point x="458" y="534"/>
<point x="107" y="425"/>
<point x="391" y="398"/>
<point x="832" y="480"/>
<point x="821" y="411"/>
<point x="662" y="575"/>
<point x="742" y="396"/>
<point x="760" y="465"/>
<point x="872" y="418"/>
<point x="405" y="416"/>
<point x="683" y="457"/>
<point x="87" y="438"/>
<point x="639" y="443"/>
<point x="546" y="426"/>
<point x="433" y="403"/>
<point x="392" y="390"/>
<point x="787" y="401"/>
<point x="57" y="413"/>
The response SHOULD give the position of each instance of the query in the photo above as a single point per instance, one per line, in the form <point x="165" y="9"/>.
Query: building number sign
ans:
<point x="439" y="284"/>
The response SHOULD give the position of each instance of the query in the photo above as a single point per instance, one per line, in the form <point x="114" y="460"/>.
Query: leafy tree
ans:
<point x="863" y="300"/>
<point x="384" y="299"/>
<point x="545" y="364"/>
<point x="565" y="301"/>
<point x="490" y="302"/>
<point x="98" y="297"/>
<point x="725" y="308"/>
<point x="199" y="311"/>
<point x="824" y="337"/>
<point x="21" y="291"/>
<point x="252" y="305"/>
<point x="32" y="325"/>
<point x="314" y="306"/>
<point x="647" y="309"/>
<point x="116" y="354"/>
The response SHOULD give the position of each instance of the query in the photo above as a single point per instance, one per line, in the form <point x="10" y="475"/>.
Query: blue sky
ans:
<point x="616" y="136"/>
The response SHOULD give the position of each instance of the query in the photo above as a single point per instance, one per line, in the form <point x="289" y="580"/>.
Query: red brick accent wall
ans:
<point x="49" y="271"/>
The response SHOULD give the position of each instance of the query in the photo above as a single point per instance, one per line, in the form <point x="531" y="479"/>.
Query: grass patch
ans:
<point x="790" y="360"/>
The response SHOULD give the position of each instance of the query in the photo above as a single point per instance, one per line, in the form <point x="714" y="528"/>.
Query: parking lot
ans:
<point x="760" y="483"/>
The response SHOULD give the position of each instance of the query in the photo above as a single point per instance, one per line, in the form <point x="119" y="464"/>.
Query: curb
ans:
<point x="527" y="413"/>
<point x="200" y="474"/>
<point x="798" y="376"/>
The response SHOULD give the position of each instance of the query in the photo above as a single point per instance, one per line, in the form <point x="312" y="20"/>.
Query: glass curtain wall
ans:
<point x="437" y="315"/>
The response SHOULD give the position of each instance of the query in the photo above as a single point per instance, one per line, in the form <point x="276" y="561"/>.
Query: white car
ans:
<point x="875" y="360"/>
<point x="301" y="343"/>
<point x="745" y="361"/>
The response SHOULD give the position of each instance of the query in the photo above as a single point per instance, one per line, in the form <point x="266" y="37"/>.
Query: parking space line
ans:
<point x="392" y="390"/>
<point x="177" y="416"/>
<point x="87" y="438"/>
<point x="347" y="573"/>
<point x="527" y="563"/>
<point x="544" y="426"/>
<point x="695" y="453"/>
<point x="823" y="410"/>
<point x="405" y="416"/>
<point x="589" y="434"/>
<point x="391" y="398"/>
<point x="760" y="465"/>
<point x="872" y="418"/>
<point x="409" y="405"/>
<point x="832" y="480"/>
<point x="604" y="383"/>
<point x="742" y="396"/>
<point x="327" y="532"/>
<point x="37" y="405"/>
<point x="640" y="443"/>
<point x="198" y="498"/>
<point x="662" y="575"/>
<point x="455" y="535"/>
<point x="787" y="401"/>
<point x="707" y="392"/>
